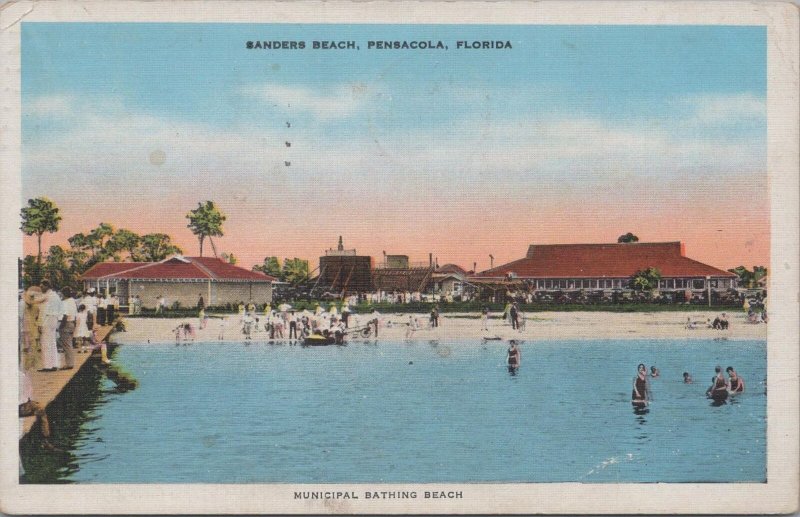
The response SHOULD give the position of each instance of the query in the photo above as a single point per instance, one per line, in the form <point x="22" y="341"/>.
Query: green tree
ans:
<point x="747" y="278"/>
<point x="646" y="280"/>
<point x="628" y="237"/>
<point x="271" y="266"/>
<point x="58" y="270"/>
<point x="230" y="258"/>
<point x="295" y="271"/>
<point x="39" y="217"/>
<point x="123" y="241"/>
<point x="32" y="271"/>
<point x="206" y="221"/>
<point x="156" y="246"/>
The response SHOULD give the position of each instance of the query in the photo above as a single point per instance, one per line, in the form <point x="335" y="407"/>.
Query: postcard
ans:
<point x="399" y="257"/>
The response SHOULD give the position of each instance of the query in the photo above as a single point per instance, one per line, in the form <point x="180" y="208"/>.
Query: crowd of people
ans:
<point x="720" y="390"/>
<point x="52" y="321"/>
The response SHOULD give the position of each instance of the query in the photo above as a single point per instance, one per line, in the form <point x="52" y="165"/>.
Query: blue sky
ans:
<point x="620" y="109"/>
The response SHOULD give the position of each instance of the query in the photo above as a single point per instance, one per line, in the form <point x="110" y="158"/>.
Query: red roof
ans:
<point x="604" y="261"/>
<point x="175" y="268"/>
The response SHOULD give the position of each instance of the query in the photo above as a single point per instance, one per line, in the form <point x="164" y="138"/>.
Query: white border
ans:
<point x="778" y="495"/>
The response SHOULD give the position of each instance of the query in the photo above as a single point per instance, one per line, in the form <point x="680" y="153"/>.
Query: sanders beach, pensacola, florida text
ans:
<point x="384" y="494"/>
<point x="376" y="45"/>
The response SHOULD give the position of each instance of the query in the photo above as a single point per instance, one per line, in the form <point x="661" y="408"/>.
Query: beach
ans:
<point x="547" y="326"/>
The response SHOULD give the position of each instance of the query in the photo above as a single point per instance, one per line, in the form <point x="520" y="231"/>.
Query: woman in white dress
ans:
<point x="82" y="332"/>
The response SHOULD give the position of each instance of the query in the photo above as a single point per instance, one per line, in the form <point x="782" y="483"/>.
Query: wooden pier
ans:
<point x="47" y="385"/>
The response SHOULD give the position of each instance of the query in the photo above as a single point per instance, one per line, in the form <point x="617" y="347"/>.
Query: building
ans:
<point x="343" y="271"/>
<point x="565" y="267"/>
<point x="180" y="279"/>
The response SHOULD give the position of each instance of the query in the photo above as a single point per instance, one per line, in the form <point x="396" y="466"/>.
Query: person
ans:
<point x="514" y="315"/>
<point x="520" y="320"/>
<point x="90" y="301"/>
<point x="485" y="318"/>
<point x="221" y="335"/>
<point x="160" y="302"/>
<point x="247" y="325"/>
<point x="640" y="396"/>
<point x="101" y="310"/>
<point x="412" y="326"/>
<point x="69" y="312"/>
<point x="30" y="407"/>
<point x="687" y="379"/>
<point x="735" y="383"/>
<point x="112" y="304"/>
<point x="435" y="315"/>
<point x="690" y="324"/>
<point x="30" y="327"/>
<point x="81" y="329"/>
<point x="292" y="325"/>
<point x="514" y="358"/>
<point x="719" y="386"/>
<point x="724" y="321"/>
<point x="346" y="316"/>
<point x="201" y="304"/>
<point x="654" y="372"/>
<point x="49" y="316"/>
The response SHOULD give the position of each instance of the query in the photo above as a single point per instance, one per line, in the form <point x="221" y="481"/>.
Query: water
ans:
<point x="423" y="412"/>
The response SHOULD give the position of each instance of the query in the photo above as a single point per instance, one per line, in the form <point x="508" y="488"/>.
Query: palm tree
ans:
<point x="40" y="216"/>
<point x="206" y="221"/>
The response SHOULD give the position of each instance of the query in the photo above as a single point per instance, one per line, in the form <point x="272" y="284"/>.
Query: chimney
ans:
<point x="491" y="261"/>
<point x="430" y="259"/>
<point x="474" y="267"/>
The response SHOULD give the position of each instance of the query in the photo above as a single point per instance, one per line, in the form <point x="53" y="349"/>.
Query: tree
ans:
<point x="271" y="267"/>
<point x="230" y="258"/>
<point x="295" y="270"/>
<point x="57" y="270"/>
<point x="628" y="237"/>
<point x="646" y="280"/>
<point x="123" y="241"/>
<point x="747" y="278"/>
<point x="206" y="221"/>
<point x="40" y="216"/>
<point x="156" y="246"/>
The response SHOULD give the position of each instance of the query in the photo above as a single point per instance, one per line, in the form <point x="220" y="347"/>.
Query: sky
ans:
<point x="575" y="134"/>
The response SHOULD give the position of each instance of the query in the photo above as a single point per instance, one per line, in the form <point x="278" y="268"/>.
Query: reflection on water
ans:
<point x="395" y="412"/>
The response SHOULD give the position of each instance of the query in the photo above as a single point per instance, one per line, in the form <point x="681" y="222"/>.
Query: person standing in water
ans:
<point x="640" y="396"/>
<point x="735" y="383"/>
<point x="719" y="386"/>
<point x="514" y="358"/>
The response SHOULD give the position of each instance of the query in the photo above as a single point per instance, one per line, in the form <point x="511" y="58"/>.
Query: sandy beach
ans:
<point x="539" y="326"/>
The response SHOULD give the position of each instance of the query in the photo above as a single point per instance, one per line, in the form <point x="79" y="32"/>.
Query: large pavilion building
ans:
<point x="180" y="279"/>
<point x="564" y="267"/>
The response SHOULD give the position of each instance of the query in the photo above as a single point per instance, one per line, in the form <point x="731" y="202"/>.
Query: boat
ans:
<point x="319" y="340"/>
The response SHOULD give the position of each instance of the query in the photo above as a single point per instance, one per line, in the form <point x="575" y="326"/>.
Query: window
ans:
<point x="680" y="283"/>
<point x="698" y="283"/>
<point x="570" y="284"/>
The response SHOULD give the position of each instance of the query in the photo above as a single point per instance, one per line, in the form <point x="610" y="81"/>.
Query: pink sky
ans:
<point x="720" y="232"/>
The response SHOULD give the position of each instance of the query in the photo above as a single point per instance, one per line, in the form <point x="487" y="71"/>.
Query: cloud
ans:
<point x="714" y="109"/>
<point x="49" y="106"/>
<point x="324" y="105"/>
<point x="510" y="157"/>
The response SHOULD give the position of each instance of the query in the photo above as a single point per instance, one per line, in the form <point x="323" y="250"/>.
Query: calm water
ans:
<point x="422" y="412"/>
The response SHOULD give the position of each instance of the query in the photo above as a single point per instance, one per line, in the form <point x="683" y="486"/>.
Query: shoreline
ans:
<point x="540" y="326"/>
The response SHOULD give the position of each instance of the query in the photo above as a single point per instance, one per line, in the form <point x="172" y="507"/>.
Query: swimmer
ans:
<point x="735" y="383"/>
<point x="654" y="372"/>
<point x="687" y="379"/>
<point x="719" y="387"/>
<point x="514" y="357"/>
<point x="641" y="392"/>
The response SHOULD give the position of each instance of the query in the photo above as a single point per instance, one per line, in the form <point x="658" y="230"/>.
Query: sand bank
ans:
<point x="538" y="326"/>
